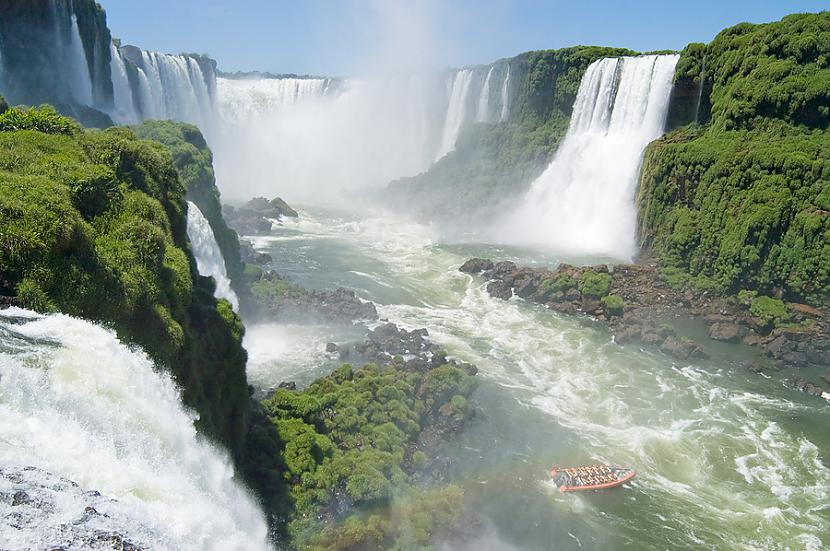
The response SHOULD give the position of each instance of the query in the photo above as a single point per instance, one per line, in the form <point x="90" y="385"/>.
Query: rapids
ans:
<point x="75" y="403"/>
<point x="726" y="458"/>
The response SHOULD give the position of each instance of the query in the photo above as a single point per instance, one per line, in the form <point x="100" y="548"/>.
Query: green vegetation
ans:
<point x="595" y="284"/>
<point x="769" y="311"/>
<point x="92" y="224"/>
<point x="193" y="160"/>
<point x="744" y="201"/>
<point x="613" y="305"/>
<point x="493" y="164"/>
<point x="355" y="431"/>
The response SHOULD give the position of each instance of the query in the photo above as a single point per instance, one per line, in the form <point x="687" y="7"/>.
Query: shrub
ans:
<point x="769" y="311"/>
<point x="613" y="305"/>
<point x="43" y="119"/>
<point x="595" y="284"/>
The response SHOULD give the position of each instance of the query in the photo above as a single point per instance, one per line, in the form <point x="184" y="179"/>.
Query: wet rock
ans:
<point x="262" y="258"/>
<point x="21" y="498"/>
<point x="683" y="349"/>
<point x="500" y="289"/>
<point x="288" y="385"/>
<point x="476" y="266"/>
<point x="331" y="347"/>
<point x="807" y="387"/>
<point x="753" y="366"/>
<point x="794" y="359"/>
<point x="726" y="332"/>
<point x="591" y="305"/>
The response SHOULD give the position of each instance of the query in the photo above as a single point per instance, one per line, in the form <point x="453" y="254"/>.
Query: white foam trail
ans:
<point x="505" y="91"/>
<point x="81" y="81"/>
<point x="583" y="204"/>
<point x="76" y="402"/>
<point x="484" y="99"/>
<point x="456" y="111"/>
<point x="209" y="257"/>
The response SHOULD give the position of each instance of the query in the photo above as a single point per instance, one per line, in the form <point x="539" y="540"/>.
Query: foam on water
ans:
<point x="77" y="403"/>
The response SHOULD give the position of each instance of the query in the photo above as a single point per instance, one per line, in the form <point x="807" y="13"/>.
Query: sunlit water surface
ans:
<point x="726" y="459"/>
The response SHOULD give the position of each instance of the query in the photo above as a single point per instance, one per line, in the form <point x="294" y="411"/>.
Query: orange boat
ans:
<point x="590" y="477"/>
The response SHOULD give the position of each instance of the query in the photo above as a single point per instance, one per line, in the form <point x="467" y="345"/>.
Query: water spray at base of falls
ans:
<point x="78" y="404"/>
<point x="209" y="259"/>
<point x="583" y="203"/>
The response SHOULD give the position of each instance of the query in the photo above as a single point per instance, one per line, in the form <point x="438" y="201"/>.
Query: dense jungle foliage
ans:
<point x="92" y="224"/>
<point x="493" y="164"/>
<point x="744" y="200"/>
<point x="193" y="160"/>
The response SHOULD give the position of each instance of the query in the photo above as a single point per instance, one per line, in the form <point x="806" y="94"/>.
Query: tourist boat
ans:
<point x="590" y="477"/>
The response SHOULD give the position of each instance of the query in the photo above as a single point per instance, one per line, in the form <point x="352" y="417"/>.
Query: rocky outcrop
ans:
<point x="255" y="217"/>
<point x="633" y="298"/>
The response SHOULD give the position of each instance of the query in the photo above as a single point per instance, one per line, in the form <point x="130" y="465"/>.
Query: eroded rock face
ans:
<point x="39" y="510"/>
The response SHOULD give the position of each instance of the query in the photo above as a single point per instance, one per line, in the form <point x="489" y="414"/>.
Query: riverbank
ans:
<point x="639" y="302"/>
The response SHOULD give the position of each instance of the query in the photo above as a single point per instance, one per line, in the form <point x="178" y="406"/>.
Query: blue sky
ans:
<point x="351" y="37"/>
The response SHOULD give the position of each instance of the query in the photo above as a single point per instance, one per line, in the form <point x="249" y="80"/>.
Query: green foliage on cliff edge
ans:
<point x="745" y="199"/>
<point x="494" y="163"/>
<point x="193" y="160"/>
<point x="92" y="224"/>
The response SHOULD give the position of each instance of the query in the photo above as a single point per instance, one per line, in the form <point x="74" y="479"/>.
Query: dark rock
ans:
<point x="331" y="347"/>
<point x="683" y="349"/>
<point x="778" y="347"/>
<point x="591" y="305"/>
<point x="499" y="289"/>
<point x="807" y="387"/>
<point x="21" y="498"/>
<point x="753" y="366"/>
<point x="262" y="258"/>
<point x="476" y="265"/>
<point x="288" y="385"/>
<point x="526" y="289"/>
<point x="794" y="359"/>
<point x="725" y="331"/>
<point x="627" y="334"/>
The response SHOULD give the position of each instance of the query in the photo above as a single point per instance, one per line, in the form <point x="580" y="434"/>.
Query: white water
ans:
<point x="209" y="258"/>
<point x="124" y="107"/>
<point x="76" y="402"/>
<point x="484" y="99"/>
<point x="81" y="82"/>
<point x="305" y="139"/>
<point x="505" y="91"/>
<point x="583" y="204"/>
<point x="456" y="111"/>
<point x="726" y="459"/>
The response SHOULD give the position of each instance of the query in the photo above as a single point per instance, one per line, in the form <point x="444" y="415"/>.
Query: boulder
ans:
<point x="726" y="332"/>
<point x="499" y="289"/>
<point x="476" y="266"/>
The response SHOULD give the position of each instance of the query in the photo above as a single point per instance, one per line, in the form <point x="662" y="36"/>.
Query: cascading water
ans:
<point x="456" y="111"/>
<point x="484" y="99"/>
<point x="80" y="79"/>
<point x="76" y="403"/>
<point x="209" y="258"/>
<point x="242" y="98"/>
<point x="583" y="204"/>
<point x="124" y="107"/>
<point x="505" y="90"/>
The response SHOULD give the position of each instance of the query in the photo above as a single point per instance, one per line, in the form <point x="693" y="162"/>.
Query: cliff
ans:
<point x="743" y="199"/>
<point x="92" y="224"/>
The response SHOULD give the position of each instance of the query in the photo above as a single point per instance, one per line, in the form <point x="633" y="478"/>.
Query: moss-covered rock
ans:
<point x="92" y="223"/>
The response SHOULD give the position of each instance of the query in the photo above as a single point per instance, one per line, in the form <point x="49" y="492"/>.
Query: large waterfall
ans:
<point x="76" y="403"/>
<point x="209" y="258"/>
<point x="456" y="112"/>
<point x="583" y="202"/>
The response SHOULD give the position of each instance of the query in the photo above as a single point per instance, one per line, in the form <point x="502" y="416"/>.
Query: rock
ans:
<point x="794" y="359"/>
<point x="331" y="347"/>
<point x="499" y="289"/>
<point x="262" y="258"/>
<point x="288" y="385"/>
<point x="21" y="498"/>
<point x="476" y="265"/>
<point x="805" y="309"/>
<point x="807" y="387"/>
<point x="527" y="288"/>
<point x="777" y="347"/>
<point x="627" y="334"/>
<point x="726" y="332"/>
<point x="753" y="366"/>
<point x="591" y="305"/>
<point x="683" y="349"/>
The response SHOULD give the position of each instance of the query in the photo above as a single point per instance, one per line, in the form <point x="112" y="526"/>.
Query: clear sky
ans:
<point x="350" y="37"/>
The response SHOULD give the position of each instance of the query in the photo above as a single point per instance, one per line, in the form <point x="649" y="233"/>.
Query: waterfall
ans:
<point x="583" y="202"/>
<point x="78" y="404"/>
<point x="700" y="89"/>
<point x="209" y="258"/>
<point x="456" y="111"/>
<point x="248" y="98"/>
<point x="505" y="105"/>
<point x="124" y="107"/>
<point x="80" y="79"/>
<point x="484" y="99"/>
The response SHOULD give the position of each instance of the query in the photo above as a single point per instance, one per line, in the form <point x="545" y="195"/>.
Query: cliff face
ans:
<point x="193" y="160"/>
<point x="744" y="200"/>
<point x="493" y="164"/>
<point x="93" y="224"/>
<point x="47" y="47"/>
